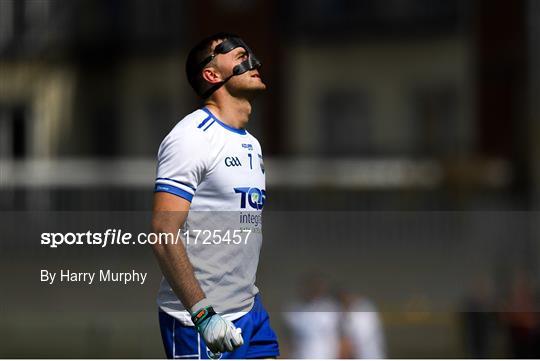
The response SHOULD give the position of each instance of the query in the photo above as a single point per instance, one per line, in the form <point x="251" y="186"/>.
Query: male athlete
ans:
<point x="209" y="165"/>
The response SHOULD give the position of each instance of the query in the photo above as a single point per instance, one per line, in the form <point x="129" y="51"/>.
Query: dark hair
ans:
<point x="195" y="57"/>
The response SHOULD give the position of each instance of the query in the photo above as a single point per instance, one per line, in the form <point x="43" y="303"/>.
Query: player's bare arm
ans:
<point x="169" y="214"/>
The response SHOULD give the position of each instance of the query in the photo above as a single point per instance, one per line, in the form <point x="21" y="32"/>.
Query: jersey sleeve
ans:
<point x="181" y="165"/>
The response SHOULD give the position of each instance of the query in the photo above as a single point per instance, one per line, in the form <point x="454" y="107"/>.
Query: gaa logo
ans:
<point x="255" y="197"/>
<point x="232" y="162"/>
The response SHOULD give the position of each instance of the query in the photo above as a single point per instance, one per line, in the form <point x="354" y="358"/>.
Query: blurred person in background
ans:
<point x="478" y="319"/>
<point x="521" y="319"/>
<point x="361" y="331"/>
<point x="208" y="164"/>
<point x="313" y="322"/>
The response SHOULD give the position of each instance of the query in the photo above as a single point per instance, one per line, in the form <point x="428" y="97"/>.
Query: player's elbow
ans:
<point x="158" y="225"/>
<point x="165" y="233"/>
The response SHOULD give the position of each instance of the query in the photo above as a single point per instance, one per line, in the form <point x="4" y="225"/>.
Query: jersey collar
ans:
<point x="226" y="126"/>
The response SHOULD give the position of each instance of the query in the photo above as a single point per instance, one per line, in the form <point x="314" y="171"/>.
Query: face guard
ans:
<point x="224" y="47"/>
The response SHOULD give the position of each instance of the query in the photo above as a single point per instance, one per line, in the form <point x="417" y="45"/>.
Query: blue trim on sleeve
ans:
<point x="175" y="181"/>
<point x="228" y="127"/>
<point x="173" y="190"/>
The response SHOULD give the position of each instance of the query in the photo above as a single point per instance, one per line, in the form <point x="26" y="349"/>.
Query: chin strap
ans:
<point x="215" y="87"/>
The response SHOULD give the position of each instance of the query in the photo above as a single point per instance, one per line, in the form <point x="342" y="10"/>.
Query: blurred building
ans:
<point x="87" y="78"/>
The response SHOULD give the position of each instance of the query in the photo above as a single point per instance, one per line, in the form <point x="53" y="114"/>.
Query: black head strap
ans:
<point x="223" y="48"/>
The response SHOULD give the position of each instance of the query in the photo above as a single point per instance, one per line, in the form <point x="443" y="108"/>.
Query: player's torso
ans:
<point x="223" y="229"/>
<point x="226" y="216"/>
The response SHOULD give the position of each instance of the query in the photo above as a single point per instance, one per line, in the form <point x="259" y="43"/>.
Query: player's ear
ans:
<point x="211" y="75"/>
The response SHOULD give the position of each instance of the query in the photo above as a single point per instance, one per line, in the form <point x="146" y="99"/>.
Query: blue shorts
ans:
<point x="184" y="342"/>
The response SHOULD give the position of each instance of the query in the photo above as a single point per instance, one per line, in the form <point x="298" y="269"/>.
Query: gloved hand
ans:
<point x="219" y="334"/>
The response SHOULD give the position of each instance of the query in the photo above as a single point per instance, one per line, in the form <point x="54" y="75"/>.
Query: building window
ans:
<point x="346" y="118"/>
<point x="13" y="130"/>
<point x="435" y="122"/>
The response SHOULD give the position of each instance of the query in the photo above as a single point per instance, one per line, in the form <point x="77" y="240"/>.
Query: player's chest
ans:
<point x="238" y="164"/>
<point x="236" y="179"/>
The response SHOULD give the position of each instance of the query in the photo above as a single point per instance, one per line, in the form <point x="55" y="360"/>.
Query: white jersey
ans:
<point x="315" y="329"/>
<point x="363" y="327"/>
<point x="220" y="170"/>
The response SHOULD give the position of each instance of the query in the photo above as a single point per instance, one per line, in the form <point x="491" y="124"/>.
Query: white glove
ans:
<point x="219" y="334"/>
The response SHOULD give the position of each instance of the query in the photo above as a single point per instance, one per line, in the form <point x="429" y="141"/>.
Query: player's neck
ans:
<point x="232" y="111"/>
